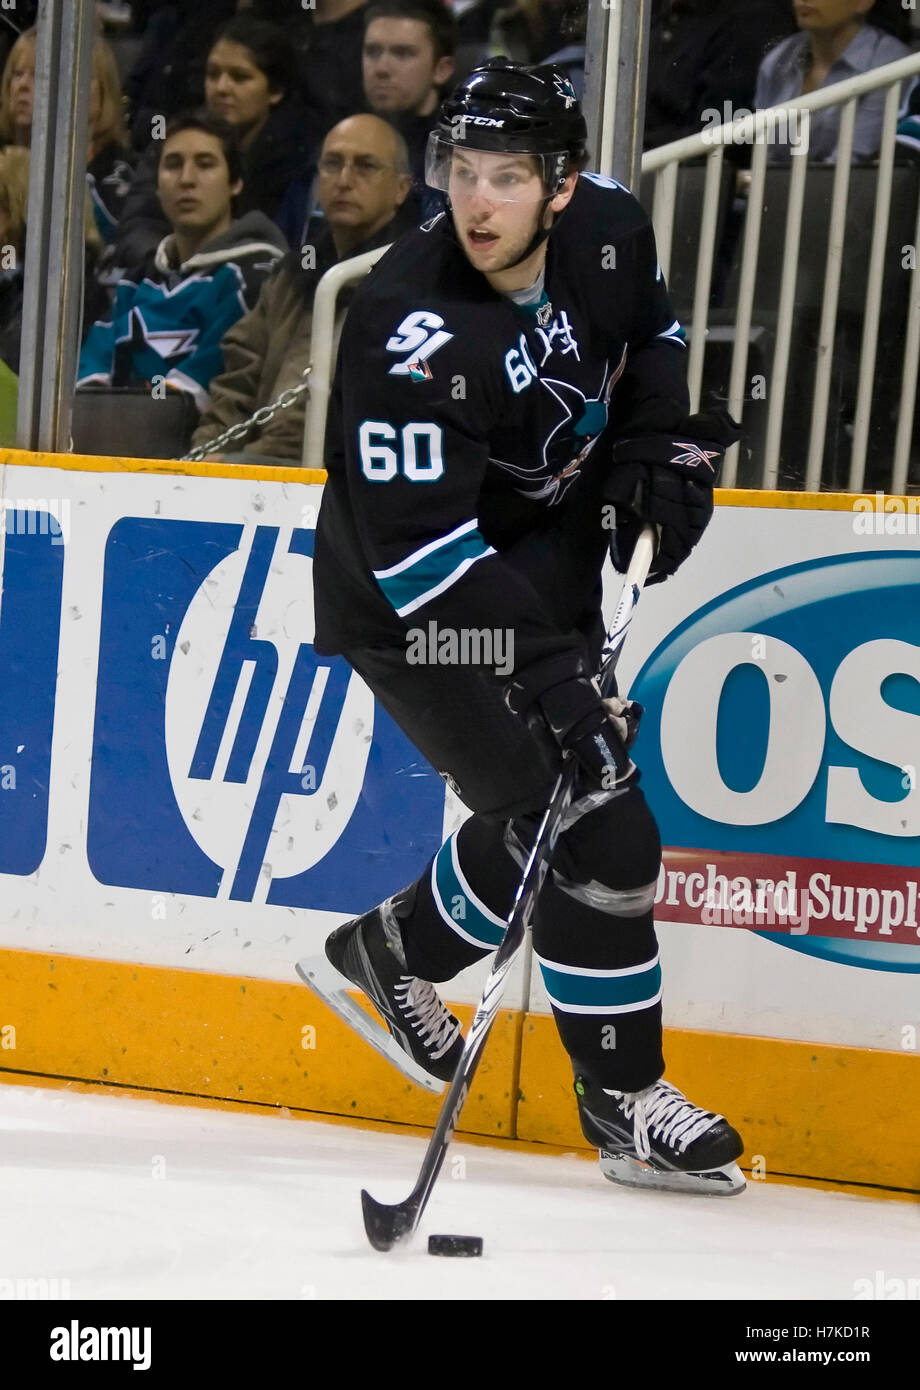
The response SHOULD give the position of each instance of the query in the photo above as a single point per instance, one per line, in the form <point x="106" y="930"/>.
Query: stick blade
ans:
<point x="387" y="1225"/>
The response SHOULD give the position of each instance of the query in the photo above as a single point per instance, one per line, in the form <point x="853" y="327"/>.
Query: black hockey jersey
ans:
<point x="461" y="423"/>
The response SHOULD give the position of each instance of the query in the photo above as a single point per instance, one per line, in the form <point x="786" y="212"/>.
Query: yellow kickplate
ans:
<point x="227" y="1037"/>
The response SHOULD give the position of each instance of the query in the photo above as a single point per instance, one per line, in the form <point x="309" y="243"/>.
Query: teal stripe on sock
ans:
<point x="603" y="992"/>
<point x="457" y="907"/>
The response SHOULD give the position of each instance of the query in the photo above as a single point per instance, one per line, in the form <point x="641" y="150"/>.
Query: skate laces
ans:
<point x="665" y="1110"/>
<point x="435" y="1026"/>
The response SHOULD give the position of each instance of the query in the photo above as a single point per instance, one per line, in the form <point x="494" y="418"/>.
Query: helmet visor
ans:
<point x="497" y="176"/>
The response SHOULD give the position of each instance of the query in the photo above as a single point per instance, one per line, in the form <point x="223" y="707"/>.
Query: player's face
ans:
<point x="193" y="182"/>
<point x="498" y="203"/>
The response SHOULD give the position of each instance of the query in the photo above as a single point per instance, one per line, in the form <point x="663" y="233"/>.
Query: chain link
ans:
<point x="261" y="417"/>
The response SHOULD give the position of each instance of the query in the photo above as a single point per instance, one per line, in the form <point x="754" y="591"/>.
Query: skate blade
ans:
<point x="632" y="1172"/>
<point x="332" y="988"/>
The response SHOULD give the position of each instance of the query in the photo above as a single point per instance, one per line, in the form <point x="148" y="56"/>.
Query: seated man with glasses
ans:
<point x="363" y="183"/>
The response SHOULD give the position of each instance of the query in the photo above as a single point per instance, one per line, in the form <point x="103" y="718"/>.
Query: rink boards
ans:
<point x="190" y="799"/>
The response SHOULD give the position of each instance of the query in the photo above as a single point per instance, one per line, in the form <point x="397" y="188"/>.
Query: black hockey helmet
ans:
<point x="508" y="107"/>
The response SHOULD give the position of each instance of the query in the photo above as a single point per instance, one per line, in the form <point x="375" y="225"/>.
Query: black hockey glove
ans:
<point x="598" y="732"/>
<point x="667" y="480"/>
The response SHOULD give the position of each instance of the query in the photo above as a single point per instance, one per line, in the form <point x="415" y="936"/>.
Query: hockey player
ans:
<point x="511" y="375"/>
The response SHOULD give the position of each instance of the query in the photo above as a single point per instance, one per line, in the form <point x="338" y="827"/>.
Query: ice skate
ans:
<point x="657" y="1138"/>
<point x="422" y="1037"/>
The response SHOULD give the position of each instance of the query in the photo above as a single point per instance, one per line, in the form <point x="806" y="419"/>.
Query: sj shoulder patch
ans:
<point x="419" y="335"/>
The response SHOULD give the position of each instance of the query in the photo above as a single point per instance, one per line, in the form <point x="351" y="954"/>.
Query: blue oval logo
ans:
<point x="783" y="720"/>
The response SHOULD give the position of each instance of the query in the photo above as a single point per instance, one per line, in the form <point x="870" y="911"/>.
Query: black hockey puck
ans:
<point x="455" y="1245"/>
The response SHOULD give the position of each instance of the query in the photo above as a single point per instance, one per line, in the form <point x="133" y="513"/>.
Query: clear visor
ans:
<point x="494" y="175"/>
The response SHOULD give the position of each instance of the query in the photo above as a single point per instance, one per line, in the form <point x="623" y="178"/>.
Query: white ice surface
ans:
<point x="252" y="1206"/>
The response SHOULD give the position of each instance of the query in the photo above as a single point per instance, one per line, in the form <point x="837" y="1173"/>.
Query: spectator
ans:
<point x="702" y="55"/>
<point x="408" y="58"/>
<point x="108" y="172"/>
<point x="834" y="42"/>
<point x="168" y="75"/>
<point x="250" y="81"/>
<point x="13" y="25"/>
<point x="168" y="320"/>
<point x="17" y="92"/>
<point x="14" y="206"/>
<point x="249" y="77"/>
<point x="363" y="183"/>
<point x="169" y="72"/>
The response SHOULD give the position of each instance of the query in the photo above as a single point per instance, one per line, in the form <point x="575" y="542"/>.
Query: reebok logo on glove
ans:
<point x="693" y="455"/>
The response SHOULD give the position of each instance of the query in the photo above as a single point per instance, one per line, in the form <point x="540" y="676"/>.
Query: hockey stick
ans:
<point x="385" y="1225"/>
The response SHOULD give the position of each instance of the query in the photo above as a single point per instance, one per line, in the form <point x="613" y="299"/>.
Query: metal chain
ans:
<point x="262" y="416"/>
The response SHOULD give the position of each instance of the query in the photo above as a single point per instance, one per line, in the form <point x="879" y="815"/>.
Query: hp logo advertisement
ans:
<point x="228" y="759"/>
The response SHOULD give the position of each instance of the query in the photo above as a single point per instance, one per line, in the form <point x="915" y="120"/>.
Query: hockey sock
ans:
<point x="594" y="938"/>
<point x="461" y="903"/>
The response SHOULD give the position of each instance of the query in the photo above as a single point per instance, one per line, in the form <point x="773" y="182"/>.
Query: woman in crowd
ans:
<point x="17" y="92"/>
<point x="836" y="40"/>
<point x="249" y="80"/>
<point x="108" y="172"/>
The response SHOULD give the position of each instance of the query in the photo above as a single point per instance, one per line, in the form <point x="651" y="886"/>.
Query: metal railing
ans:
<point x="756" y="128"/>
<point x="322" y="345"/>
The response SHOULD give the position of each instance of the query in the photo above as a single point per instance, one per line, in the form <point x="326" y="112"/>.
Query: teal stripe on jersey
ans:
<point x="602" y="991"/>
<point x="435" y="567"/>
<point x="463" y="912"/>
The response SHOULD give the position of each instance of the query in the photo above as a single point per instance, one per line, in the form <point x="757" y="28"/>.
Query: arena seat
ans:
<point x="129" y="422"/>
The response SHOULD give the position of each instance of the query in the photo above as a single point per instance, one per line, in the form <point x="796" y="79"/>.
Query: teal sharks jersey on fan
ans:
<point x="168" y="319"/>
<point x="461" y="421"/>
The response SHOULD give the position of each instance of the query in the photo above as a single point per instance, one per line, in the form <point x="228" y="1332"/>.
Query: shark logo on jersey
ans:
<point x="571" y="439"/>
<point x="173" y="345"/>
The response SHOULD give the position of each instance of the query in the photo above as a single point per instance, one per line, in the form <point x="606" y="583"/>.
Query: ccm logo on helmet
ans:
<point x="480" y="120"/>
